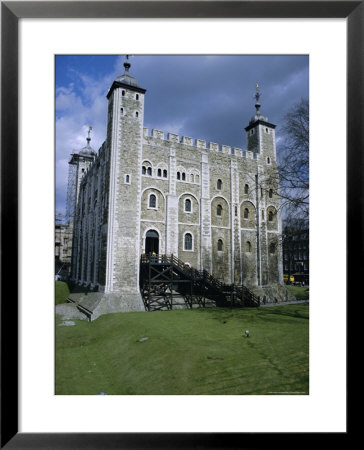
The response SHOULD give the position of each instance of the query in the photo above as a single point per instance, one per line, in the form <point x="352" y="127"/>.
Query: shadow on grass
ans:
<point x="219" y="313"/>
<point x="288" y="311"/>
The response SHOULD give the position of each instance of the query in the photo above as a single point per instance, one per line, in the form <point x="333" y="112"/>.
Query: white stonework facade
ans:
<point x="150" y="191"/>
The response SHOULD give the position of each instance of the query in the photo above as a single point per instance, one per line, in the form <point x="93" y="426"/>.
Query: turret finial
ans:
<point x="88" y="139"/>
<point x="127" y="64"/>
<point x="257" y="97"/>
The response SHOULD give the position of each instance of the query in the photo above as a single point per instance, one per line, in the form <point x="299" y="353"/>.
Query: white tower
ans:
<point x="124" y="140"/>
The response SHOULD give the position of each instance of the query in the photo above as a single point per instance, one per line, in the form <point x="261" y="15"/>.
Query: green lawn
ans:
<point x="188" y="352"/>
<point x="62" y="292"/>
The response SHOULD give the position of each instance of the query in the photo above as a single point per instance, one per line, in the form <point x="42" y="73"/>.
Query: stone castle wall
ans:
<point x="223" y="199"/>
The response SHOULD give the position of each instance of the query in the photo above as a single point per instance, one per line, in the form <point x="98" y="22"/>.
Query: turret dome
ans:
<point x="257" y="117"/>
<point x="88" y="150"/>
<point x="125" y="81"/>
<point x="126" y="78"/>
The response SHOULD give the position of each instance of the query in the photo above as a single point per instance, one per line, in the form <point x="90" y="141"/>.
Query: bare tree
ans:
<point x="293" y="161"/>
<point x="59" y="218"/>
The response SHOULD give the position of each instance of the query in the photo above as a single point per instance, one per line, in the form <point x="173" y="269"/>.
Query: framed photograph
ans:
<point x="34" y="35"/>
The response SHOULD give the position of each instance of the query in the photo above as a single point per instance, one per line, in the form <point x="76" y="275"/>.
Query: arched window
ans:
<point x="136" y="114"/>
<point x="219" y="184"/>
<point x="220" y="245"/>
<point x="188" y="205"/>
<point x="152" y="201"/>
<point x="159" y="172"/>
<point x="183" y="176"/>
<point x="144" y="170"/>
<point x="248" y="247"/>
<point x="246" y="213"/>
<point x="137" y="97"/>
<point x="270" y="193"/>
<point x="219" y="210"/>
<point x="188" y="241"/>
<point x="123" y="93"/>
<point x="270" y="216"/>
<point x="272" y="248"/>
<point x="122" y="111"/>
<point x="149" y="171"/>
<point x="178" y="175"/>
<point x="246" y="189"/>
<point x="127" y="179"/>
<point x="165" y="173"/>
<point x="268" y="160"/>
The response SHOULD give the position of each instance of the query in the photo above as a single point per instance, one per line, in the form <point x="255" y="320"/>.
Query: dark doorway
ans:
<point x="152" y="242"/>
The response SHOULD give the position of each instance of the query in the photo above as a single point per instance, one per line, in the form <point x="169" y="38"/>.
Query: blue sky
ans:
<point x="209" y="97"/>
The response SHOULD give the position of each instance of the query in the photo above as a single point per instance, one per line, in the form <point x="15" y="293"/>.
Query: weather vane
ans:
<point x="127" y="63"/>
<point x="88" y="134"/>
<point x="257" y="93"/>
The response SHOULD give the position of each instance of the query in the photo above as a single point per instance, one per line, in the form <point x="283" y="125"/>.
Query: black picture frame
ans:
<point x="11" y="12"/>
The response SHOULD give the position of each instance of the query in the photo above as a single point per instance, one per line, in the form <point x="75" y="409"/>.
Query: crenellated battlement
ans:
<point x="159" y="135"/>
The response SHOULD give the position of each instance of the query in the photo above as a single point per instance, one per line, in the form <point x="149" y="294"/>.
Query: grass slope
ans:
<point x="186" y="352"/>
<point x="62" y="292"/>
<point x="301" y="293"/>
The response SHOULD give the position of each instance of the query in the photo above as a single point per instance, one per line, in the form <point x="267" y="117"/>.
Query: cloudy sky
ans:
<point x="202" y="96"/>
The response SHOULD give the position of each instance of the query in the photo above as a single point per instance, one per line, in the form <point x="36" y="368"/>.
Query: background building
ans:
<point x="63" y="248"/>
<point x="295" y="239"/>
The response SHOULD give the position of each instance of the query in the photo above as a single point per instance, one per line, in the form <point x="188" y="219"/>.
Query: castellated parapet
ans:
<point x="213" y="206"/>
<point x="159" y="135"/>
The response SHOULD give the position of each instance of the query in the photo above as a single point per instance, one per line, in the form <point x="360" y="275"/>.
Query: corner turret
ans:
<point x="78" y="165"/>
<point x="260" y="133"/>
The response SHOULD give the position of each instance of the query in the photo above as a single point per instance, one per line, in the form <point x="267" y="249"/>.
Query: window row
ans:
<point x="122" y="113"/>
<point x="246" y="188"/>
<point x="136" y="95"/>
<point x="152" y="203"/>
<point x="192" y="177"/>
<point x="253" y="131"/>
<point x="188" y="245"/>
<point x="246" y="214"/>
<point x="161" y="173"/>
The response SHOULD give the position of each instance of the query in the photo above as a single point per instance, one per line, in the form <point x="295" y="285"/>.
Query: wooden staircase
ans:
<point x="165" y="280"/>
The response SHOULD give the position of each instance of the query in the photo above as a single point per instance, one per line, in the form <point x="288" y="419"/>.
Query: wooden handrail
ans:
<point x="241" y="292"/>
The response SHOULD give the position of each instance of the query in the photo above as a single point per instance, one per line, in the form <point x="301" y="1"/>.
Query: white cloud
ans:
<point x="167" y="127"/>
<point x="74" y="111"/>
